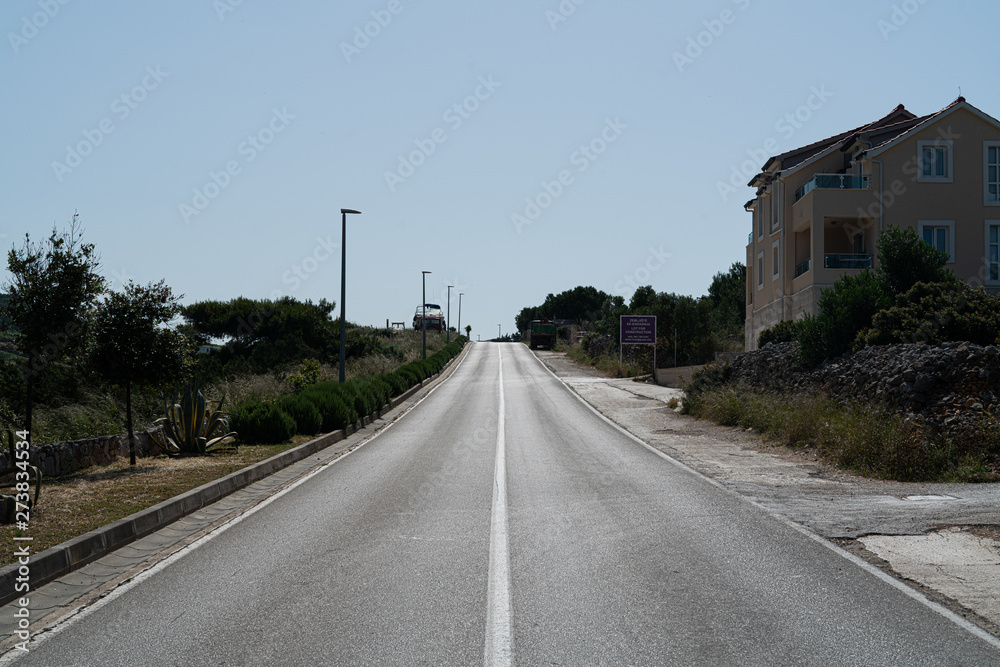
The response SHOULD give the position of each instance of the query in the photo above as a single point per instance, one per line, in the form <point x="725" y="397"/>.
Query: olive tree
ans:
<point x="132" y="345"/>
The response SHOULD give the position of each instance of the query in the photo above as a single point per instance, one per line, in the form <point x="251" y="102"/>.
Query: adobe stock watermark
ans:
<point x="890" y="194"/>
<point x="655" y="260"/>
<point x="122" y="277"/>
<point x="703" y="40"/>
<point x="30" y="26"/>
<point x="223" y="7"/>
<point x="299" y="272"/>
<point x="786" y="126"/>
<point x="122" y="107"/>
<point x="582" y="158"/>
<point x="249" y="149"/>
<point x="455" y="116"/>
<point x="900" y="16"/>
<point x="363" y="35"/>
<point x="562" y="13"/>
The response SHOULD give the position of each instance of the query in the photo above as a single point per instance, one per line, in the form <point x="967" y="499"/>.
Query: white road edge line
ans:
<point x="499" y="642"/>
<point x="913" y="593"/>
<point x="40" y="638"/>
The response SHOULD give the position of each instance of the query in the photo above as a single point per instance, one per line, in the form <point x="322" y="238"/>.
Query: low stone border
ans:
<point x="73" y="554"/>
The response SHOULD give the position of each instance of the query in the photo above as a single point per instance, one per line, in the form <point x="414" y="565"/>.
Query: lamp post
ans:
<point x="458" y="330"/>
<point x="447" y="324"/>
<point x="343" y="285"/>
<point x="498" y="333"/>
<point x="423" y="310"/>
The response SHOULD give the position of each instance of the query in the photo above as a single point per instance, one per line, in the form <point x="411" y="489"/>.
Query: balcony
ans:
<point x="832" y="182"/>
<point x="847" y="261"/>
<point x="803" y="267"/>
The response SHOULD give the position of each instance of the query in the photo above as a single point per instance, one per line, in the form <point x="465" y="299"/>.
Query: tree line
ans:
<point x="704" y="325"/>
<point x="69" y="331"/>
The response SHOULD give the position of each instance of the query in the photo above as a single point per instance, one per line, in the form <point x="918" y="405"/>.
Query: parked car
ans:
<point x="430" y="314"/>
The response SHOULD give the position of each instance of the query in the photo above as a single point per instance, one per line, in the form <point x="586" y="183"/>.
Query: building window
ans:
<point x="776" y="259"/>
<point x="993" y="252"/>
<point x="775" y="205"/>
<point x="991" y="172"/>
<point x="934" y="161"/>
<point x="939" y="234"/>
<point x="759" y="212"/>
<point x="760" y="270"/>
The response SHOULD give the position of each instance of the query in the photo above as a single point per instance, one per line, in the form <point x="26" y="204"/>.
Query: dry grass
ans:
<point x="71" y="506"/>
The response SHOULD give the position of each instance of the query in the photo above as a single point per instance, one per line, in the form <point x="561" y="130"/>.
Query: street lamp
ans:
<point x="423" y="310"/>
<point x="459" y="329"/>
<point x="447" y="324"/>
<point x="343" y="285"/>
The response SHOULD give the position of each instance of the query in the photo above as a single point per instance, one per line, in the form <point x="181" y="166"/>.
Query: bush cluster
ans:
<point x="330" y="406"/>
<point x="262" y="424"/>
<point x="910" y="296"/>
<point x="868" y="439"/>
<point x="935" y="313"/>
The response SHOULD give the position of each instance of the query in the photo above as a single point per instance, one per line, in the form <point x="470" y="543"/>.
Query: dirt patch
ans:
<point x="73" y="505"/>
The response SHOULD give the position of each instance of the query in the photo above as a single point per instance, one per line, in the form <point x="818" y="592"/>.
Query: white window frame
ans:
<point x="949" y="158"/>
<point x="949" y="225"/>
<point x="775" y="209"/>
<point x="987" y="145"/>
<point x="760" y="270"/>
<point x="986" y="252"/>
<point x="776" y="252"/>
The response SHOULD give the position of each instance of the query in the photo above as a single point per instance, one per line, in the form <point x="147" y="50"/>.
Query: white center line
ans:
<point x="498" y="629"/>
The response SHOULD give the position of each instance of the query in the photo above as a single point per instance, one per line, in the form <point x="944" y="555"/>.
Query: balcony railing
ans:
<point x="847" y="261"/>
<point x="803" y="267"/>
<point x="833" y="182"/>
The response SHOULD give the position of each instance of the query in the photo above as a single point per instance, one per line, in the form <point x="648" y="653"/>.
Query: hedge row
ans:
<point x="331" y="406"/>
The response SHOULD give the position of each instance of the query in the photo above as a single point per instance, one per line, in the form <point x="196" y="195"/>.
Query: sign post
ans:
<point x="638" y="330"/>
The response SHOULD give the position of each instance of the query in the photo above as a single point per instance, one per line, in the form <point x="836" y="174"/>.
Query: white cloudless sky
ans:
<point x="513" y="149"/>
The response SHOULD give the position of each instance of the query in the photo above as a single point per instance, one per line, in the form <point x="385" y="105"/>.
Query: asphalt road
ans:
<point x="536" y="534"/>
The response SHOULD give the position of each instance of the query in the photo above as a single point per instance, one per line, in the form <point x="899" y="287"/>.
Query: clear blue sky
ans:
<point x="280" y="114"/>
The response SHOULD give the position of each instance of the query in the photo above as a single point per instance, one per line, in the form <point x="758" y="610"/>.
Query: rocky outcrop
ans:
<point x="951" y="385"/>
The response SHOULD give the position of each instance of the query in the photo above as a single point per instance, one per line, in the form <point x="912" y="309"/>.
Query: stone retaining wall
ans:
<point x="950" y="385"/>
<point x="66" y="458"/>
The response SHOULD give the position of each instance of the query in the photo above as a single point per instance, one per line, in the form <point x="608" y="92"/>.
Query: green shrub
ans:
<point x="263" y="424"/>
<point x="712" y="376"/>
<point x="308" y="420"/>
<point x="845" y="309"/>
<point x="904" y="260"/>
<point x="306" y="375"/>
<point x="784" y="331"/>
<point x="382" y="390"/>
<point x="935" y="313"/>
<point x="398" y="382"/>
<point x="408" y="376"/>
<point x="335" y="412"/>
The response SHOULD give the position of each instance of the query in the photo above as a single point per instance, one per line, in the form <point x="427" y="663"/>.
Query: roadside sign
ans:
<point x="638" y="330"/>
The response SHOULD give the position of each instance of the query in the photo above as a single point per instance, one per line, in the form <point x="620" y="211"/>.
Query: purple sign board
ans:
<point x="638" y="329"/>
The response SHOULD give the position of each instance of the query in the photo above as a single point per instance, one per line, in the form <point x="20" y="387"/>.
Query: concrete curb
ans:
<point x="73" y="554"/>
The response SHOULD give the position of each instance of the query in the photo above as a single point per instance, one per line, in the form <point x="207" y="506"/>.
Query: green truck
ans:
<point x="543" y="334"/>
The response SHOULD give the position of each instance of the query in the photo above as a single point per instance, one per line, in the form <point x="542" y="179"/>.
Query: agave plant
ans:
<point x="191" y="427"/>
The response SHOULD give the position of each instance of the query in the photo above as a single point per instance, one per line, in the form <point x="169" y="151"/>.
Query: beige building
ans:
<point x="819" y="209"/>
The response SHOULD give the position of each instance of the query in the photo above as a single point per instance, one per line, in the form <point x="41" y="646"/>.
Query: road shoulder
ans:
<point x="936" y="537"/>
